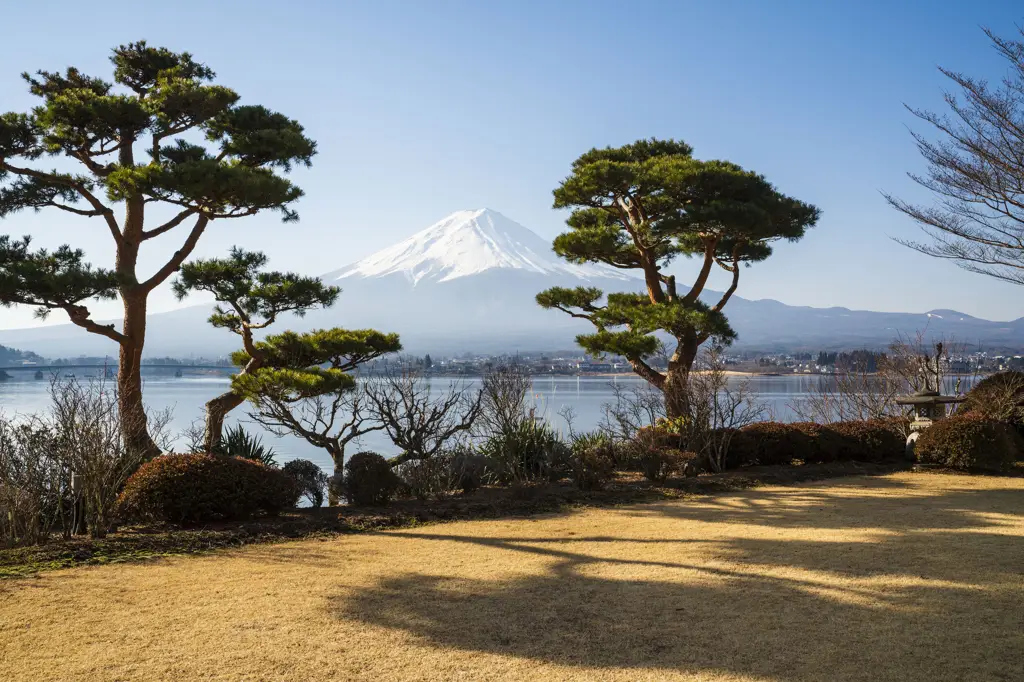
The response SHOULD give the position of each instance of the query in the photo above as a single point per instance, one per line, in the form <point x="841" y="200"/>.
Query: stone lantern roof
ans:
<point x="926" y="397"/>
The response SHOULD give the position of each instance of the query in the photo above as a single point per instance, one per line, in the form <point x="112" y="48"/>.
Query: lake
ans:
<point x="586" y="395"/>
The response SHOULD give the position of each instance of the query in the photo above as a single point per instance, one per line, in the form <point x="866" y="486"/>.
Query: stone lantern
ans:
<point x="929" y="407"/>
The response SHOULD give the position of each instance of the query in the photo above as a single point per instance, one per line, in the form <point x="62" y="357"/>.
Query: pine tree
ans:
<point x="247" y="300"/>
<point x="166" y="148"/>
<point x="640" y="206"/>
<point x="305" y="386"/>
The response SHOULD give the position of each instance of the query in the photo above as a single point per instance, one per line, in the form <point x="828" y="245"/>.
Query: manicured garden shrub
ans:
<point x="369" y="479"/>
<point x="309" y="478"/>
<point x="665" y="435"/>
<point x="1000" y="396"/>
<point x="529" y="452"/>
<point x="873" y="440"/>
<point x="590" y="468"/>
<point x="823" y="443"/>
<point x="658" y="464"/>
<point x="428" y="479"/>
<point x="200" y="488"/>
<point x="471" y="468"/>
<point x="442" y="474"/>
<point x="627" y="454"/>
<point x="778" y="443"/>
<point x="970" y="442"/>
<point x="770" y="443"/>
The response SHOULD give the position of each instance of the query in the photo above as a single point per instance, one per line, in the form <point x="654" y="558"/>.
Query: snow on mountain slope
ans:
<point x="470" y="243"/>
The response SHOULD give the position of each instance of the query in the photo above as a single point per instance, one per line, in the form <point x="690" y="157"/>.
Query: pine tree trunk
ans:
<point x="676" y="394"/>
<point x="677" y="378"/>
<point x="216" y="411"/>
<point x="134" y="424"/>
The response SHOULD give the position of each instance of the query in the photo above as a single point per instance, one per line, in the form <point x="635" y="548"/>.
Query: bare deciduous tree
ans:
<point x="329" y="421"/>
<point x="194" y="436"/>
<point x="976" y="172"/>
<point x="420" y="420"/>
<point x="634" y="408"/>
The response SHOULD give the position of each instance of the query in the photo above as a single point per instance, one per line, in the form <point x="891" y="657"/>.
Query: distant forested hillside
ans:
<point x="13" y="356"/>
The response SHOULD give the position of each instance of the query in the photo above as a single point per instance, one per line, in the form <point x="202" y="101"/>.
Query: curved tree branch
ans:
<point x="80" y="316"/>
<point x="179" y="256"/>
<point x="169" y="225"/>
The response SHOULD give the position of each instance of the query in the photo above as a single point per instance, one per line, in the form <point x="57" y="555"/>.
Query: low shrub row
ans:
<point x="198" y="488"/>
<point x="777" y="443"/>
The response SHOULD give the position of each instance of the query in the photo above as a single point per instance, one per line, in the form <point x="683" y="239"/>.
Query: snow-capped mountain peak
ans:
<point x="469" y="243"/>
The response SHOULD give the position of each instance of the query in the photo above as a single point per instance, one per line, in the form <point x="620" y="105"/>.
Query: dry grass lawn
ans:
<point x="903" y="577"/>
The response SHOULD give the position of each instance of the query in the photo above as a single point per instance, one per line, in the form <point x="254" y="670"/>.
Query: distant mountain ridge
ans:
<point x="468" y="282"/>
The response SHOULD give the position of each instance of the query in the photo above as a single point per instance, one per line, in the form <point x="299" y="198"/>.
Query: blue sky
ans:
<point x="423" y="108"/>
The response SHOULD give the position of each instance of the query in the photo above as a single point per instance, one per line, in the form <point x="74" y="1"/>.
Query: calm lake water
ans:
<point x="585" y="395"/>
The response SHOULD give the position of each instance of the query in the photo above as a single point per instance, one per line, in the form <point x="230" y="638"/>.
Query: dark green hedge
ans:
<point x="200" y="488"/>
<point x="970" y="442"/>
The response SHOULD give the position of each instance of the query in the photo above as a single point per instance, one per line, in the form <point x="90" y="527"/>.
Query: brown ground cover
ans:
<point x="901" y="577"/>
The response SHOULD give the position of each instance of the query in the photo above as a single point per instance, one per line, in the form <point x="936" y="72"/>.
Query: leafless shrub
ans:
<point x="634" y="408"/>
<point x="419" y="419"/>
<point x="433" y="478"/>
<point x="64" y="470"/>
<point x="87" y="431"/>
<point x="716" y="410"/>
<point x="194" y="436"/>
<point x="861" y="392"/>
<point x="34" y="485"/>
<point x="503" y="401"/>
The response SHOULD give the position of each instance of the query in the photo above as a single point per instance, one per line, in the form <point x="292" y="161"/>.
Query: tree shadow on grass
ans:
<point x="945" y="602"/>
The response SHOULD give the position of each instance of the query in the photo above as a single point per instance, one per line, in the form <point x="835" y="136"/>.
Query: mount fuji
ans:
<point x="468" y="282"/>
<point x="468" y="243"/>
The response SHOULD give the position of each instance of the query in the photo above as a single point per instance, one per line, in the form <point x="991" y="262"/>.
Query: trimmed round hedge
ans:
<point x="1000" y="396"/>
<point x="590" y="468"/>
<point x="200" y="488"/>
<point x="309" y="478"/>
<point x="369" y="479"/>
<point x="970" y="442"/>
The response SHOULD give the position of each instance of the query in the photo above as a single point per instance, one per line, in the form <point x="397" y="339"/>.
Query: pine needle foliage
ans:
<point x="641" y="206"/>
<point x="158" y="149"/>
<point x="248" y="299"/>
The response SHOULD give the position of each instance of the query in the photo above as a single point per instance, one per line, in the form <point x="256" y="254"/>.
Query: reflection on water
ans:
<point x="586" y="396"/>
